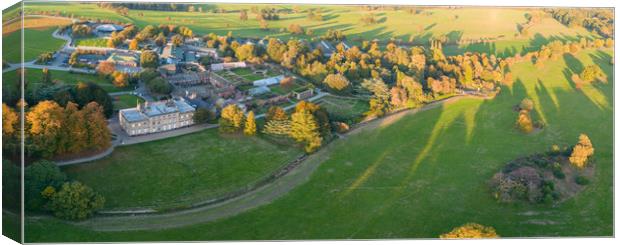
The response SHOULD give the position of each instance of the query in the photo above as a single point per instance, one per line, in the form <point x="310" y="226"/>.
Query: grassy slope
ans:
<point x="181" y="170"/>
<point x="35" y="42"/>
<point x="424" y="174"/>
<point x="471" y="23"/>
<point x="33" y="78"/>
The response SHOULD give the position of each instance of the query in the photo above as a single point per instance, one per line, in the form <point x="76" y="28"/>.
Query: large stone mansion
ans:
<point x="155" y="117"/>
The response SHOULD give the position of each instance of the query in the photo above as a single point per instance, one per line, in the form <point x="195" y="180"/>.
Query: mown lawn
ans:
<point x="423" y="174"/>
<point x="33" y="80"/>
<point x="36" y="42"/>
<point x="126" y="101"/>
<point x="92" y="42"/>
<point x="179" y="171"/>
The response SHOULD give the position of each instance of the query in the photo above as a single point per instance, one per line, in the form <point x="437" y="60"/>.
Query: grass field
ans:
<point x="92" y="42"/>
<point x="126" y="101"/>
<point x="33" y="79"/>
<point x="466" y="23"/>
<point x="180" y="171"/>
<point x="423" y="174"/>
<point x="36" y="41"/>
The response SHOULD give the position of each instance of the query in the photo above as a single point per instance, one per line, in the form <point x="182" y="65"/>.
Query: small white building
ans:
<point x="230" y="65"/>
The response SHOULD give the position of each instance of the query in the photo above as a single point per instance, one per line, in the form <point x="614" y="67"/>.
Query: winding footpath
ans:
<point x="250" y="200"/>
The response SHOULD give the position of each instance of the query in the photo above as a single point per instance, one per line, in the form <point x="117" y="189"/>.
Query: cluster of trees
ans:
<point x="266" y="14"/>
<point x="233" y="120"/>
<point x="154" y="82"/>
<point x="524" y="120"/>
<point x="79" y="30"/>
<point x="315" y="15"/>
<point x="160" y="33"/>
<point x="334" y="35"/>
<point x="204" y="116"/>
<point x="582" y="151"/>
<point x="52" y="130"/>
<point x="53" y="89"/>
<point x="295" y="29"/>
<point x="117" y="38"/>
<point x="471" y="230"/>
<point x="600" y="21"/>
<point x="149" y="6"/>
<point x="590" y="73"/>
<point x="557" y="48"/>
<point x="45" y="57"/>
<point x="308" y="124"/>
<point x="119" y="79"/>
<point x="47" y="188"/>
<point x="149" y="59"/>
<point x="368" y="19"/>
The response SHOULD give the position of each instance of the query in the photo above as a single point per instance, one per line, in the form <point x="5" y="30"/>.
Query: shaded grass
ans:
<point x="126" y="101"/>
<point x="182" y="170"/>
<point x="426" y="173"/>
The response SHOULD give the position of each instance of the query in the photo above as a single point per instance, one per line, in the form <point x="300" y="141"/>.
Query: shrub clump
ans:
<point x="470" y="230"/>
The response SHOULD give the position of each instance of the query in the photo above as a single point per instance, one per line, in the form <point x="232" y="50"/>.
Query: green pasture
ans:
<point x="454" y="23"/>
<point x="36" y="42"/>
<point x="180" y="171"/>
<point x="415" y="176"/>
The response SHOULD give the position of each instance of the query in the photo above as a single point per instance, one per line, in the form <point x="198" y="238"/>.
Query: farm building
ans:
<point x="230" y="65"/>
<point x="268" y="81"/>
<point x="156" y="116"/>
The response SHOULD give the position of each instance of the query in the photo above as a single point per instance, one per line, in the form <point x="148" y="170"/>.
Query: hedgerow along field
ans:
<point x="425" y="173"/>
<point x="179" y="171"/>
<point x="466" y="23"/>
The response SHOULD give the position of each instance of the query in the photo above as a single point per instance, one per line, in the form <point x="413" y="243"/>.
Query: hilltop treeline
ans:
<point x="600" y="21"/>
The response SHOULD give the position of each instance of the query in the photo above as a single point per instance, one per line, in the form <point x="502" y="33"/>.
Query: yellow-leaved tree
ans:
<point x="470" y="230"/>
<point x="582" y="151"/>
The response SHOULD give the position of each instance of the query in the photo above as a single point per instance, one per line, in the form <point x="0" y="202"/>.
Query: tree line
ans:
<point x="52" y="130"/>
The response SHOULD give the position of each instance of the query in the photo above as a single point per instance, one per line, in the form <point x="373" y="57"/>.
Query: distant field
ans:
<point x="34" y="23"/>
<point x="33" y="79"/>
<point x="466" y="23"/>
<point x="36" y="41"/>
<point x="178" y="171"/>
<point x="126" y="101"/>
<point x="92" y="42"/>
<point x="421" y="175"/>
